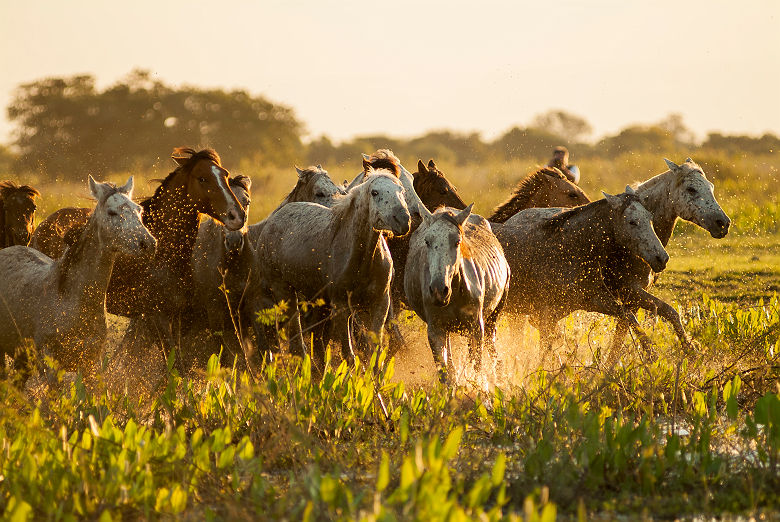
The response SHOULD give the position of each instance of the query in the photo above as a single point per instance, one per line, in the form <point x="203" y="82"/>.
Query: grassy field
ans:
<point x="685" y="435"/>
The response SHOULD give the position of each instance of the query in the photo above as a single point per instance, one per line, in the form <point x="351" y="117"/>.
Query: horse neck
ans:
<point x="172" y="218"/>
<point x="353" y="233"/>
<point x="85" y="269"/>
<point x="654" y="195"/>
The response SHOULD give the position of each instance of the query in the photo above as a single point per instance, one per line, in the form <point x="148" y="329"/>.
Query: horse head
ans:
<point x="445" y="248"/>
<point x="17" y="205"/>
<point x="119" y="218"/>
<point x="434" y="189"/>
<point x="693" y="197"/>
<point x="633" y="228"/>
<point x="206" y="186"/>
<point x="388" y="211"/>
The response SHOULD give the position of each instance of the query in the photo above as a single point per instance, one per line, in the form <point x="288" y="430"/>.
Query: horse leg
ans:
<point x="378" y="317"/>
<point x="491" y="329"/>
<point x="395" y="339"/>
<point x="476" y="343"/>
<point x="294" y="328"/>
<point x="648" y="301"/>
<point x="546" y="327"/>
<point x="437" y="340"/>
<point x="605" y="303"/>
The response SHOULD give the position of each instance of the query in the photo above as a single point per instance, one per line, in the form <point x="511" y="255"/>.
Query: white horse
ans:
<point x="456" y="279"/>
<point x="337" y="253"/>
<point x="681" y="192"/>
<point x="61" y="304"/>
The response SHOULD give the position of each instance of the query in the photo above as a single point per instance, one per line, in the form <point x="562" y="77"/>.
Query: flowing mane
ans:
<point x="8" y="187"/>
<point x="524" y="191"/>
<point x="305" y="178"/>
<point x="385" y="159"/>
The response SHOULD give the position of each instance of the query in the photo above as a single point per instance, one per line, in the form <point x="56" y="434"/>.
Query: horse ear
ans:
<point x="672" y="165"/>
<point x="431" y="164"/>
<point x="420" y="167"/>
<point x="688" y="160"/>
<point x="127" y="189"/>
<point x="319" y="167"/>
<point x="613" y="201"/>
<point x="366" y="164"/>
<point x="629" y="190"/>
<point x="95" y="188"/>
<point x="299" y="171"/>
<point x="180" y="161"/>
<point x="463" y="215"/>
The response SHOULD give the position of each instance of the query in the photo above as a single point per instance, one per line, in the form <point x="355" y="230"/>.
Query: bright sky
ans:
<point x="404" y="67"/>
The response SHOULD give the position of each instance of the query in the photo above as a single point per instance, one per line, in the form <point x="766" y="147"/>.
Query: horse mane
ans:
<point x="385" y="159"/>
<point x="304" y="178"/>
<point x="524" y="191"/>
<point x="564" y="216"/>
<point x="240" y="180"/>
<point x="8" y="187"/>
<point x="75" y="238"/>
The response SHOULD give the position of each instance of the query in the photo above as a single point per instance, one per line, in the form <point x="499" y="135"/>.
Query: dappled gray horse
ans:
<point x="681" y="192"/>
<point x="456" y="280"/>
<point x="313" y="185"/>
<point x="222" y="266"/>
<point x="338" y="253"/>
<point x="61" y="304"/>
<point x="558" y="258"/>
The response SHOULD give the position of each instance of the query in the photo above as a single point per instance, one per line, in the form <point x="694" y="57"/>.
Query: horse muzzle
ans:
<point x="720" y="227"/>
<point x="658" y="262"/>
<point x="440" y="294"/>
<point x="234" y="219"/>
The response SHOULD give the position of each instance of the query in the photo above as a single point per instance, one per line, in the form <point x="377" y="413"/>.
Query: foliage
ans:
<point x="66" y="127"/>
<point x="354" y="444"/>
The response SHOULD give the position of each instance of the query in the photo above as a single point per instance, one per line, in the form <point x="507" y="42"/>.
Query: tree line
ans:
<point x="66" y="127"/>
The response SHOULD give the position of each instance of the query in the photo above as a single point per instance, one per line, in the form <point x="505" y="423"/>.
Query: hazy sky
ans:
<point x="404" y="67"/>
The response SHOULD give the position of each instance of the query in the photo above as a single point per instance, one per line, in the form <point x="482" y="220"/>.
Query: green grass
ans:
<point x="687" y="435"/>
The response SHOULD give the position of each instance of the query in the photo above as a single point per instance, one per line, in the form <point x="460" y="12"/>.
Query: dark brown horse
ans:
<point x="434" y="189"/>
<point x="546" y="187"/>
<point x="17" y="211"/>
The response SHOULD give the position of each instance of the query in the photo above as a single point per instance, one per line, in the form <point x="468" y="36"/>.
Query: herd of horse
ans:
<point x="333" y="262"/>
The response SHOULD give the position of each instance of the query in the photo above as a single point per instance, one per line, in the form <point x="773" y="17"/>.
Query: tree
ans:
<point x="65" y="127"/>
<point x="570" y="127"/>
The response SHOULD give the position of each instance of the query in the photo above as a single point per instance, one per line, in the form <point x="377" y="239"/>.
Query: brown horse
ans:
<point x="17" y="211"/>
<point x="434" y="189"/>
<point x="546" y="187"/>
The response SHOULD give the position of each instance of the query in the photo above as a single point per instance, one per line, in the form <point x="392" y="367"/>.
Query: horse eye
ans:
<point x="633" y="223"/>
<point x="427" y="243"/>
<point x="374" y="193"/>
<point x="443" y="191"/>
<point x="202" y="179"/>
<point x="322" y="194"/>
<point x="691" y="190"/>
<point x="112" y="213"/>
<point x="572" y="195"/>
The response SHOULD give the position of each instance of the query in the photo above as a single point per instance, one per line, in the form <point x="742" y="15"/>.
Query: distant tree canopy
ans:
<point x="66" y="128"/>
